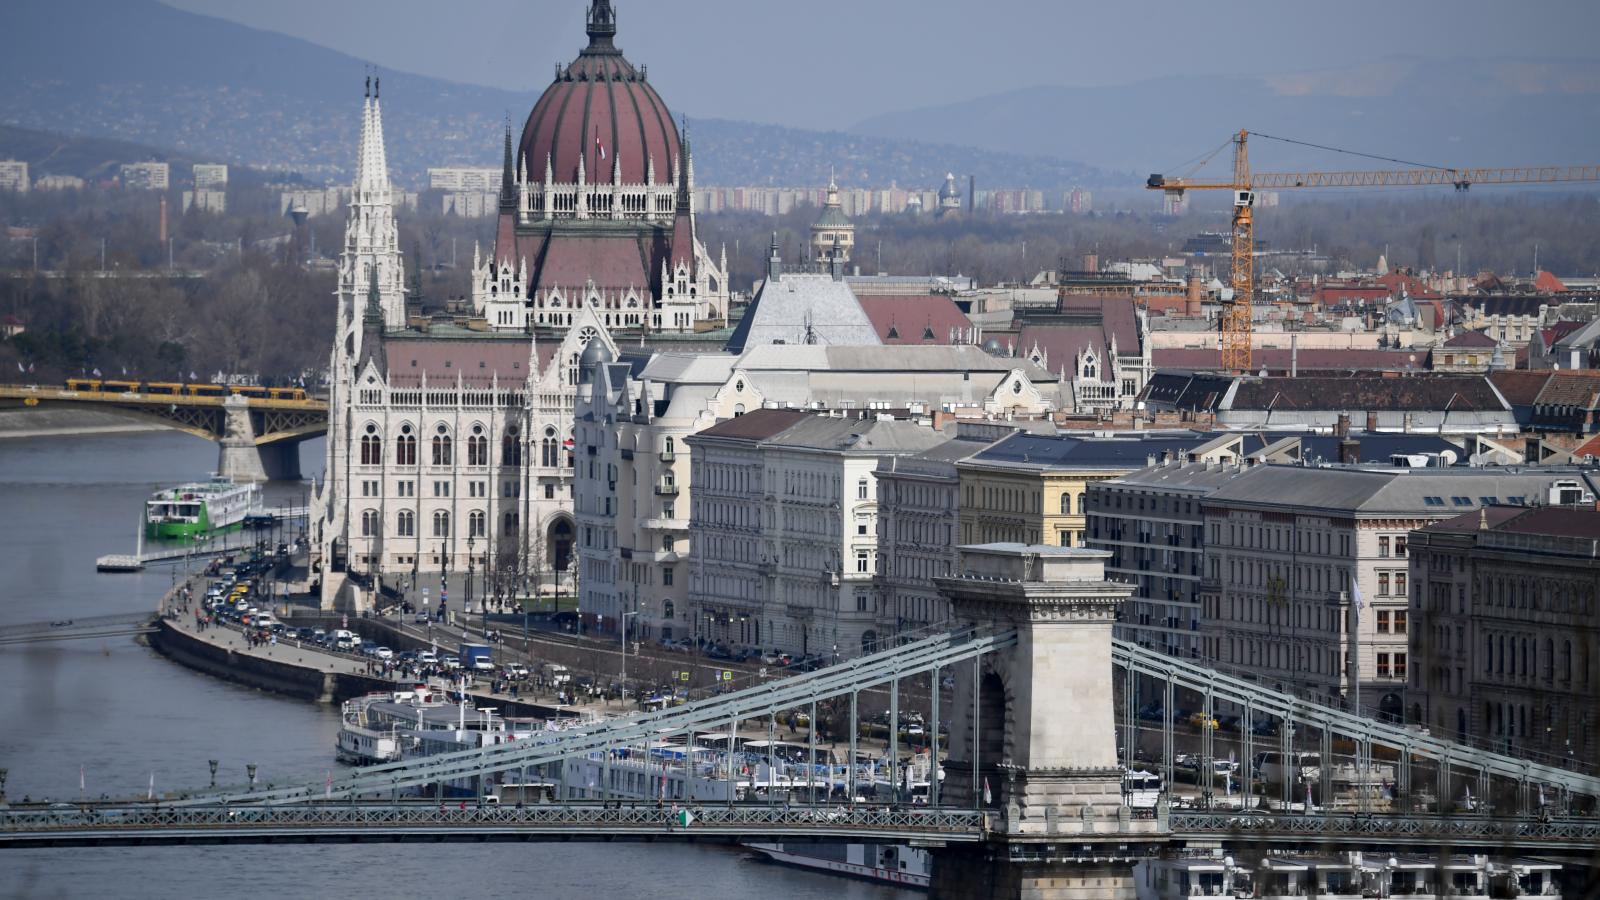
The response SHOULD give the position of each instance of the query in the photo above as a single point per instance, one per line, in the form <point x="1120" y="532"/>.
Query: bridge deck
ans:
<point x="39" y="394"/>
<point x="90" y="825"/>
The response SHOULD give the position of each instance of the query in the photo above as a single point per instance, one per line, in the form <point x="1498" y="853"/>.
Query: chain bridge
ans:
<point x="1035" y="798"/>
<point x="258" y="437"/>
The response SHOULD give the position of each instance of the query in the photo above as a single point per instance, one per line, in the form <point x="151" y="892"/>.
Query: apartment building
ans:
<point x="14" y="176"/>
<point x="1288" y="547"/>
<point x="1505" y="642"/>
<point x="1152" y="522"/>
<point x="1032" y="488"/>
<point x="918" y="521"/>
<point x="783" y="514"/>
<point x="145" y="176"/>
<point x="210" y="177"/>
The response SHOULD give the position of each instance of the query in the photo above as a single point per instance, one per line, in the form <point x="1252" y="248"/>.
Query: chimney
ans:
<point x="1349" y="451"/>
<point x="1372" y="423"/>
<point x="1294" y="356"/>
<point x="972" y="194"/>
<point x="1091" y="262"/>
<point x="1342" y="428"/>
<point x="161" y="236"/>
<point x="1192" y="300"/>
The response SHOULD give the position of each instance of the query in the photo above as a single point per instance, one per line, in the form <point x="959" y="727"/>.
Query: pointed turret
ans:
<point x="372" y="243"/>
<point x="508" y="176"/>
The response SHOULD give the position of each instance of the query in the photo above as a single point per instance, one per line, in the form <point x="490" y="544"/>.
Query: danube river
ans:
<point x="114" y="716"/>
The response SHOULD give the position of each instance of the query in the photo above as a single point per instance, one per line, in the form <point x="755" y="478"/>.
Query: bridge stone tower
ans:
<point x="1045" y="752"/>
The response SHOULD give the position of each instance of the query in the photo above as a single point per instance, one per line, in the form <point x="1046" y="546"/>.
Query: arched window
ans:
<point x="369" y="523"/>
<point x="441" y="524"/>
<point x="1549" y="659"/>
<point x="371" y="447"/>
<point x="1566" y="660"/>
<point x="441" y="447"/>
<point x="667" y="609"/>
<point x="405" y="447"/>
<point x="511" y="448"/>
<point x="407" y="523"/>
<point x="1066" y="504"/>
<point x="477" y="448"/>
<point x="475" y="523"/>
<point x="509" y="529"/>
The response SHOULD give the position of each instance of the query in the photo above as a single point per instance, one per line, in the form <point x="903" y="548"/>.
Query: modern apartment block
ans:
<point x="14" y="176"/>
<point x="145" y="176"/>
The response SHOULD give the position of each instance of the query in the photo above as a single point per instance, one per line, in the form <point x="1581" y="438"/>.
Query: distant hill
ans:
<point x="212" y="90"/>
<point x="93" y="158"/>
<point x="1485" y="111"/>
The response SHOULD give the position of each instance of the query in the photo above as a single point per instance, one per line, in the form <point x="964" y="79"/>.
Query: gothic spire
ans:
<point x="508" y="177"/>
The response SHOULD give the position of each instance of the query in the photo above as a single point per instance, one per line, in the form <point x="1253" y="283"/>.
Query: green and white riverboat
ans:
<point x="200" y="510"/>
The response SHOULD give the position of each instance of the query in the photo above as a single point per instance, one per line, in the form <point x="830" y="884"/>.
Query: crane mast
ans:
<point x="1237" y="324"/>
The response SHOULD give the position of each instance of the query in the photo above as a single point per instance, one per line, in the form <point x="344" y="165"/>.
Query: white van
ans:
<point x="1302" y="767"/>
<point x="345" y="640"/>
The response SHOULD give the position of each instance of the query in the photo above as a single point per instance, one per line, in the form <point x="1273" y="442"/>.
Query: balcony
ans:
<point x="658" y="523"/>
<point x="666" y="489"/>
<point x="666" y="456"/>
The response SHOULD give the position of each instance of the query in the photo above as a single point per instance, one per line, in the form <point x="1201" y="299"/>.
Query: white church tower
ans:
<point x="370" y="299"/>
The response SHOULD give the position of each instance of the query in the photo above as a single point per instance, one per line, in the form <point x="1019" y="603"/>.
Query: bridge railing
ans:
<point x="958" y="824"/>
<point x="1520" y="831"/>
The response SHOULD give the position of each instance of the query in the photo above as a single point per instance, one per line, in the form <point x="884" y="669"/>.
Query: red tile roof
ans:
<point x="1520" y="388"/>
<point x="912" y="316"/>
<point x="1546" y="283"/>
<point x="475" y="362"/>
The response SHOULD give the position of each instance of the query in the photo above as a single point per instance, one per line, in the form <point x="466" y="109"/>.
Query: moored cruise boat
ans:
<point x="891" y="863"/>
<point x="199" y="510"/>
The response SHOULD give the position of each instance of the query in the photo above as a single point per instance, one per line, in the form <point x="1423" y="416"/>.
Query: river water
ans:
<point x="116" y="717"/>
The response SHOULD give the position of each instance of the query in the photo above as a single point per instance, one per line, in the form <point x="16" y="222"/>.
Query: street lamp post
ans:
<point x="484" y="601"/>
<point x="3" y="774"/>
<point x="251" y="769"/>
<point x="213" y="764"/>
<point x="624" y="632"/>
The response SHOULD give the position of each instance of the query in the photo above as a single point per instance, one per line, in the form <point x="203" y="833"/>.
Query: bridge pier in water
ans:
<point x="241" y="458"/>
<point x="1033" y="734"/>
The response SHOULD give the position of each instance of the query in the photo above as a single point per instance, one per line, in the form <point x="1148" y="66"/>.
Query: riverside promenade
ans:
<point x="314" y="673"/>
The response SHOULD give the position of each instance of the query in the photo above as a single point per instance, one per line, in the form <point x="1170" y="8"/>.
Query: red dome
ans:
<point x="600" y="95"/>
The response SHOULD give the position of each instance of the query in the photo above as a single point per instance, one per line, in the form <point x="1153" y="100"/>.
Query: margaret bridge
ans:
<point x="1033" y="800"/>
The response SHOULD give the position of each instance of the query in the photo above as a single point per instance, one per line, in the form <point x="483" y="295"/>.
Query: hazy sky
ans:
<point x="828" y="65"/>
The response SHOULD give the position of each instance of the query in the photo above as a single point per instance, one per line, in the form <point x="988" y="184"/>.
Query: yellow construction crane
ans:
<point x="1236" y="321"/>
